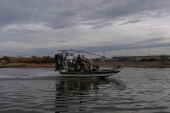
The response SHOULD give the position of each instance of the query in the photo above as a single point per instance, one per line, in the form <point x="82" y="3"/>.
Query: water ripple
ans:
<point x="41" y="90"/>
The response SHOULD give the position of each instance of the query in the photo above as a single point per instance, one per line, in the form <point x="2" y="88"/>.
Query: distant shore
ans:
<point x="22" y="65"/>
<point x="139" y="64"/>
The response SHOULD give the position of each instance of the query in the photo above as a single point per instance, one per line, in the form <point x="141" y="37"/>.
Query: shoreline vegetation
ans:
<point x="136" y="64"/>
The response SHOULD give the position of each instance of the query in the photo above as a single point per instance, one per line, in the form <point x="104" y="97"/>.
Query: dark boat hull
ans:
<point x="90" y="74"/>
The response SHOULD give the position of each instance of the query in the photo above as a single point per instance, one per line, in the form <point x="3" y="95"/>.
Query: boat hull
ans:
<point x="88" y="74"/>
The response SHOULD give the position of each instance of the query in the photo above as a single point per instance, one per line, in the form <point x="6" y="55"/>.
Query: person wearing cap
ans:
<point x="96" y="67"/>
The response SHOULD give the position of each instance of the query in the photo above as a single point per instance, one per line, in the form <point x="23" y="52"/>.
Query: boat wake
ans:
<point x="27" y="73"/>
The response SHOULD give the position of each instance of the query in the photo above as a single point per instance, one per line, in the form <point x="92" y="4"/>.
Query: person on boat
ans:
<point x="79" y="61"/>
<point x="70" y="65"/>
<point x="75" y="64"/>
<point x="96" y="67"/>
<point x="84" y="62"/>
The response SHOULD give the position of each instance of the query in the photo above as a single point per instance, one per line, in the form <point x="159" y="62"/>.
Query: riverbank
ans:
<point x="22" y="65"/>
<point x="137" y="64"/>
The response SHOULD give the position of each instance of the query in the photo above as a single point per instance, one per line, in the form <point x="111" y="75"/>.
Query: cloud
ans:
<point x="122" y="8"/>
<point x="147" y="43"/>
<point x="101" y="25"/>
<point x="64" y="14"/>
<point x="132" y="21"/>
<point x="91" y="25"/>
<point x="61" y="41"/>
<point x="143" y="44"/>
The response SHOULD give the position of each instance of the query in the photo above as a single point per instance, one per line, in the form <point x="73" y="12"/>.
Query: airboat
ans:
<point x="69" y="65"/>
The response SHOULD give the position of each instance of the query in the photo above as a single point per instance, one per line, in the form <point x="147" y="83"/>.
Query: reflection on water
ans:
<point x="134" y="90"/>
<point x="75" y="94"/>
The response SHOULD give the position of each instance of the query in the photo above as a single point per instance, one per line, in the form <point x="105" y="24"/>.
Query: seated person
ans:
<point x="75" y="65"/>
<point x="96" y="67"/>
<point x="79" y="61"/>
<point x="69" y="66"/>
<point x="84" y="62"/>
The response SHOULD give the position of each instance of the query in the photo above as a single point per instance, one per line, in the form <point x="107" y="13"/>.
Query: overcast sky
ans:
<point x="118" y="27"/>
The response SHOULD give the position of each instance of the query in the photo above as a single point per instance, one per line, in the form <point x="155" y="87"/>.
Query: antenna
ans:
<point x="104" y="54"/>
<point x="149" y="48"/>
<point x="127" y="50"/>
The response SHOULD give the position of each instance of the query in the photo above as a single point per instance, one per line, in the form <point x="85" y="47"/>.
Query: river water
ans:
<point x="42" y="90"/>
